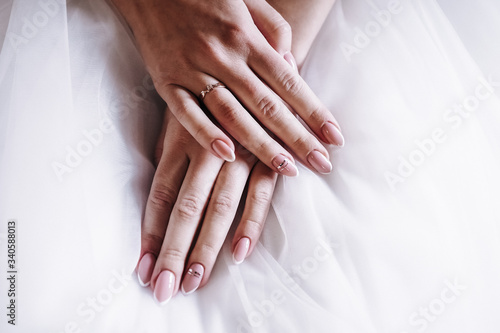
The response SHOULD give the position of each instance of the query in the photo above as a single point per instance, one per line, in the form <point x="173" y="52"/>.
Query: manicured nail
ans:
<point x="241" y="250"/>
<point x="145" y="269"/>
<point x="332" y="134"/>
<point x="164" y="288"/>
<point x="192" y="279"/>
<point x="223" y="150"/>
<point x="284" y="166"/>
<point x="319" y="162"/>
<point x="291" y="60"/>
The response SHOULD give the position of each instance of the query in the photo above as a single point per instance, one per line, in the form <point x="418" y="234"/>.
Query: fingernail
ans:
<point x="145" y="269"/>
<point x="332" y="134"/>
<point x="164" y="288"/>
<point x="192" y="279"/>
<point x="284" y="166"/>
<point x="291" y="60"/>
<point x="241" y="250"/>
<point x="319" y="162"/>
<point x="223" y="150"/>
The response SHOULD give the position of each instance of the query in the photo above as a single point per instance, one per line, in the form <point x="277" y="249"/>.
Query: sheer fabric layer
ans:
<point x="401" y="237"/>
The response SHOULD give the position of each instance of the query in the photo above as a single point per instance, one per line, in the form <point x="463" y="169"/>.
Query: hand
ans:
<point x="195" y="191"/>
<point x="189" y="44"/>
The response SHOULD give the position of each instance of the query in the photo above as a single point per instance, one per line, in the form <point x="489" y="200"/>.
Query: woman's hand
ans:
<point x="188" y="45"/>
<point x="191" y="206"/>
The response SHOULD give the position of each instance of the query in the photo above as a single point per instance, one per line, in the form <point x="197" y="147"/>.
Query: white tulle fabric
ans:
<point x="401" y="237"/>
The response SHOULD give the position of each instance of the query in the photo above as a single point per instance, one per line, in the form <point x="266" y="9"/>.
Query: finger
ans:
<point x="187" y="110"/>
<point x="218" y="219"/>
<point x="271" y="24"/>
<point x="231" y="115"/>
<point x="163" y="194"/>
<point x="288" y="84"/>
<point x="260" y="191"/>
<point x="182" y="226"/>
<point x="270" y="110"/>
<point x="159" y="143"/>
<point x="247" y="131"/>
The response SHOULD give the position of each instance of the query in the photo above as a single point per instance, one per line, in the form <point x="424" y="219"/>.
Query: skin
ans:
<point x="218" y="41"/>
<point x="194" y="191"/>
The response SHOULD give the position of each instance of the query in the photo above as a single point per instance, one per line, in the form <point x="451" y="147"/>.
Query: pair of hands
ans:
<point x="187" y="45"/>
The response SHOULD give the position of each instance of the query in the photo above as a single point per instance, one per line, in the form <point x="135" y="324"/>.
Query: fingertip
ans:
<point x="320" y="162"/>
<point x="241" y="250"/>
<point x="145" y="269"/>
<point x="223" y="150"/>
<point x="164" y="289"/>
<point x="332" y="134"/>
<point x="285" y="166"/>
<point x="192" y="279"/>
<point x="291" y="60"/>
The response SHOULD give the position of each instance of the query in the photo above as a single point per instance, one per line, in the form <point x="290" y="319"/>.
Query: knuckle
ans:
<point x="223" y="203"/>
<point x="252" y="227"/>
<point x="291" y="83"/>
<point x="189" y="207"/>
<point x="262" y="147"/>
<point x="164" y="84"/>
<point x="203" y="133"/>
<point x="280" y="28"/>
<point x="301" y="143"/>
<point x="261" y="198"/>
<point x="318" y="114"/>
<point x="221" y="51"/>
<point x="207" y="250"/>
<point x="238" y="38"/>
<point x="213" y="51"/>
<point x="151" y="242"/>
<point x="226" y="110"/>
<point x="269" y="107"/>
<point x="172" y="254"/>
<point x="162" y="197"/>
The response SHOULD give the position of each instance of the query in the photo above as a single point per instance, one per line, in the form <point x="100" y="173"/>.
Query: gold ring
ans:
<point x="209" y="88"/>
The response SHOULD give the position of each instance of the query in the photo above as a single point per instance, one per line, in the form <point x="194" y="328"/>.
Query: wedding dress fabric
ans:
<point x="401" y="237"/>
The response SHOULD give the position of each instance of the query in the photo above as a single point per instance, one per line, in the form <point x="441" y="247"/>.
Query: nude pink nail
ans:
<point x="223" y="150"/>
<point x="291" y="60"/>
<point x="319" y="162"/>
<point x="164" y="288"/>
<point x="332" y="134"/>
<point x="145" y="269"/>
<point x="284" y="166"/>
<point x="241" y="250"/>
<point x="192" y="279"/>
